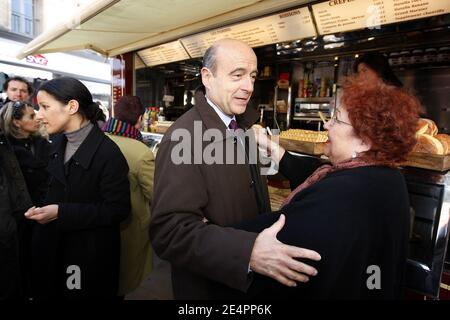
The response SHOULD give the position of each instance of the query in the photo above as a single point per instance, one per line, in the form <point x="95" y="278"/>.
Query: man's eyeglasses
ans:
<point x="335" y="120"/>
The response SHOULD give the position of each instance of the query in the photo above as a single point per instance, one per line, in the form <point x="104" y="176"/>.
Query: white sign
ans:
<point x="343" y="15"/>
<point x="165" y="53"/>
<point x="286" y="26"/>
<point x="38" y="59"/>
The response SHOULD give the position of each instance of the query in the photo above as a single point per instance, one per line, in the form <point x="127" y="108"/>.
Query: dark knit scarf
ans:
<point x="121" y="128"/>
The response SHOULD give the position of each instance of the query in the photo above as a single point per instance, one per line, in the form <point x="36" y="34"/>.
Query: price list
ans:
<point x="286" y="26"/>
<point x="166" y="53"/>
<point x="344" y="15"/>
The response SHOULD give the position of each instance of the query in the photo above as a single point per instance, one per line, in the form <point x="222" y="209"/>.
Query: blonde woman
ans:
<point x="21" y="129"/>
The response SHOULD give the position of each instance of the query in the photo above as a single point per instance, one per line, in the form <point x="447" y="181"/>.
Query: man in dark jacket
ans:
<point x="195" y="200"/>
<point x="14" y="201"/>
<point x="17" y="89"/>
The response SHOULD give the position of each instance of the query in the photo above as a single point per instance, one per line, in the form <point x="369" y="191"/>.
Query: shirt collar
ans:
<point x="226" y="119"/>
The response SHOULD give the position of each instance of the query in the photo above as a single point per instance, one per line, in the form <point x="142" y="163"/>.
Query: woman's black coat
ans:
<point x="14" y="201"/>
<point x="32" y="155"/>
<point x="77" y="255"/>
<point x="356" y="219"/>
<point x="33" y="165"/>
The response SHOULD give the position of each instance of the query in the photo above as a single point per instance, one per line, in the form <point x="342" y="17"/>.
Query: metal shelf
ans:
<point x="152" y="134"/>
<point x="316" y="119"/>
<point x="315" y="100"/>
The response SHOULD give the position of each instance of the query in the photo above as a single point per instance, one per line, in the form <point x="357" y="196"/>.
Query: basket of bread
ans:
<point x="432" y="150"/>
<point x="304" y="141"/>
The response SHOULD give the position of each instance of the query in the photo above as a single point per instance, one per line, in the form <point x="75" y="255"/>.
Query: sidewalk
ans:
<point x="158" y="286"/>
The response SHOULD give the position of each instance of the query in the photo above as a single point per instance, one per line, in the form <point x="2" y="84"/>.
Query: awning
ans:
<point x="112" y="27"/>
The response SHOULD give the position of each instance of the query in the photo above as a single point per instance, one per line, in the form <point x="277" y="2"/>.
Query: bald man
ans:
<point x="195" y="200"/>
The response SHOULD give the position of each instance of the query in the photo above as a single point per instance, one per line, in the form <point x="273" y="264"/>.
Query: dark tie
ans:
<point x="233" y="125"/>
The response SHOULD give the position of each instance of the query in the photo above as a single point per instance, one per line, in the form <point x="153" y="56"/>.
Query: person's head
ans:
<point x="375" y="122"/>
<point x="228" y="74"/>
<point x="18" y="89"/>
<point x="65" y="104"/>
<point x="18" y="120"/>
<point x="375" y="67"/>
<point x="130" y="110"/>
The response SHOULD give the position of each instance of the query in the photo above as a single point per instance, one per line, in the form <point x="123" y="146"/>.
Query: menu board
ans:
<point x="165" y="53"/>
<point x="285" y="26"/>
<point x="343" y="15"/>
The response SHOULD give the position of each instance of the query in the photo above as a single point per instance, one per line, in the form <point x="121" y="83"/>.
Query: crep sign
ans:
<point x="38" y="59"/>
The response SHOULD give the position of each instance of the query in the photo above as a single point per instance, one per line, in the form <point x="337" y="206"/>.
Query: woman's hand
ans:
<point x="268" y="144"/>
<point x="43" y="215"/>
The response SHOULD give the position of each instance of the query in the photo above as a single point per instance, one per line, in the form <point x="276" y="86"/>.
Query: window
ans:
<point x="22" y="17"/>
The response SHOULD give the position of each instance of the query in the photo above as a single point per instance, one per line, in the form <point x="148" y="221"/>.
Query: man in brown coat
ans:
<point x="196" y="199"/>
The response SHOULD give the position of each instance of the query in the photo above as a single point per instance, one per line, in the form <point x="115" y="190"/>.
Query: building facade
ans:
<point x="23" y="20"/>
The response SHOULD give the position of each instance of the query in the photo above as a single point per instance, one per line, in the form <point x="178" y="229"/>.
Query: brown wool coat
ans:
<point x="204" y="255"/>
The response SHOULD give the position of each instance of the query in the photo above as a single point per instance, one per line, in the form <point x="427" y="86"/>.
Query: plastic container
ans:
<point x="394" y="59"/>
<point x="161" y="115"/>
<point x="405" y="57"/>
<point x="301" y="83"/>
<point x="430" y="55"/>
<point x="443" y="54"/>
<point x="323" y="87"/>
<point x="417" y="56"/>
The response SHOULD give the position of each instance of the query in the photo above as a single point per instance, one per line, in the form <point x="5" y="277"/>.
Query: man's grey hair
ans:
<point x="209" y="58"/>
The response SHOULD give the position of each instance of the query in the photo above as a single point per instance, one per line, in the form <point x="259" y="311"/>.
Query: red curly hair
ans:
<point x="384" y="116"/>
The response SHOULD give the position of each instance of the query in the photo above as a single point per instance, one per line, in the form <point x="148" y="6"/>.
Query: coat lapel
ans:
<point x="88" y="148"/>
<point x="83" y="155"/>
<point x="56" y="161"/>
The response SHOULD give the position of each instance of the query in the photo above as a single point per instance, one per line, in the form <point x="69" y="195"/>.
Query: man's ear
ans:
<point x="73" y="107"/>
<point x="206" y="77"/>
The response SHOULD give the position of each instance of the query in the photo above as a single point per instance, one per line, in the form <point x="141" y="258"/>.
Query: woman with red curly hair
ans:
<point x="355" y="211"/>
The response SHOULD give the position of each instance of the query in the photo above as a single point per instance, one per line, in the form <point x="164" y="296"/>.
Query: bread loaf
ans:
<point x="426" y="126"/>
<point x="445" y="141"/>
<point x="428" y="144"/>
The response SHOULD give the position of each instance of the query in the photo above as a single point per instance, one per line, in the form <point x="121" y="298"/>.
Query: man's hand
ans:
<point x="43" y="215"/>
<point x="266" y="146"/>
<point x="274" y="259"/>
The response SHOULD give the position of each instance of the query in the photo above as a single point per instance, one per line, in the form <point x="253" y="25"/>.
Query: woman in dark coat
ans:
<point x="354" y="212"/>
<point x="14" y="201"/>
<point x="76" y="245"/>
<point x="18" y="122"/>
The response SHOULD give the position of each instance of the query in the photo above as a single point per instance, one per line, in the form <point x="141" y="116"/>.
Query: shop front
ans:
<point x="305" y="49"/>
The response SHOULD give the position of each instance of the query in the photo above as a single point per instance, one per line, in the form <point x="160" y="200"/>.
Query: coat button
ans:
<point x="252" y="184"/>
